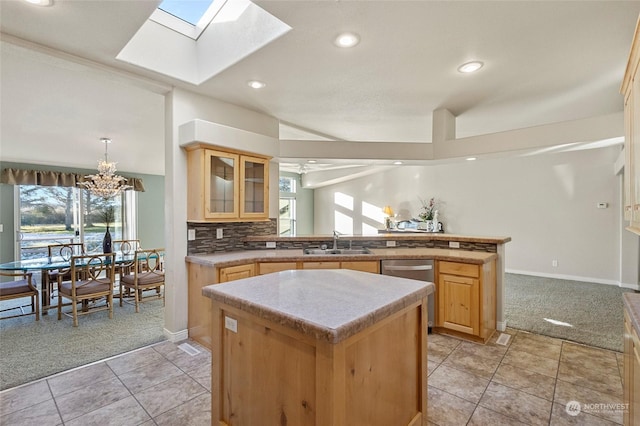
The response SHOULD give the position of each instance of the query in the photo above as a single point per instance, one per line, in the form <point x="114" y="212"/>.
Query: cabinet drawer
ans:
<point x="269" y="267"/>
<point x="321" y="265"/>
<point x="455" y="268"/>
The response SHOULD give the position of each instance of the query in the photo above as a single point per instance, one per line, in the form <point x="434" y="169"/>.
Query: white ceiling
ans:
<point x="545" y="62"/>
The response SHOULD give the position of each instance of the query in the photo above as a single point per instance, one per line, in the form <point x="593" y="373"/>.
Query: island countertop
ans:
<point x="329" y="305"/>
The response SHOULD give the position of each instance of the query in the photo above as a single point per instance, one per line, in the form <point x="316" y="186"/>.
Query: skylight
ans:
<point x="191" y="17"/>
<point x="190" y="11"/>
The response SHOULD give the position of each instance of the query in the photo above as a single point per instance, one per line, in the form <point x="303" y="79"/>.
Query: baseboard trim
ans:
<point x="176" y="337"/>
<point x="565" y="277"/>
<point x="501" y="325"/>
<point x="635" y="287"/>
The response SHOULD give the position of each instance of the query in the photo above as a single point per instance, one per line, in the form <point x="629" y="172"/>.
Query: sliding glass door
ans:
<point x="54" y="215"/>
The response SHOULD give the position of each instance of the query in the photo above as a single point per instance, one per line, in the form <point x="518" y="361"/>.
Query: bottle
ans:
<point x="435" y="221"/>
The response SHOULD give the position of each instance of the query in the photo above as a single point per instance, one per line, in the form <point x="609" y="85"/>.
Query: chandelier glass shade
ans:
<point x="106" y="184"/>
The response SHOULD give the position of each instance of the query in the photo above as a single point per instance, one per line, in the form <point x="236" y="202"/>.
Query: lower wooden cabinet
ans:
<point x="362" y="265"/>
<point x="631" y="379"/>
<point x="270" y="267"/>
<point x="466" y="299"/>
<point x="232" y="273"/>
<point x="320" y="265"/>
<point x="199" y="316"/>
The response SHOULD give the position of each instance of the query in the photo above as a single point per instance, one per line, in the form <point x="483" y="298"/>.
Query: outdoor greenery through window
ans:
<point x="54" y="215"/>
<point x="287" y="210"/>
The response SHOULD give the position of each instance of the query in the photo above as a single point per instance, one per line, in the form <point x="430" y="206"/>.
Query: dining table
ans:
<point x="51" y="263"/>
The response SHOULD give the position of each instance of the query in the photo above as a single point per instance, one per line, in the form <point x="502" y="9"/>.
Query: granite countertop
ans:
<point x="387" y="236"/>
<point x="632" y="304"/>
<point x="329" y="305"/>
<point x="296" y="255"/>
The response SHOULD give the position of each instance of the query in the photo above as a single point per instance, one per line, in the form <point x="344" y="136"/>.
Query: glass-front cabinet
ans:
<point x="226" y="186"/>
<point x="221" y="187"/>
<point x="254" y="188"/>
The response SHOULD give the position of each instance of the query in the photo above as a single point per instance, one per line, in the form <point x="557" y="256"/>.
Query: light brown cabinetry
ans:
<point x="270" y="267"/>
<point x="631" y="92"/>
<point x="320" y="265"/>
<point x="232" y="273"/>
<point x="226" y="186"/>
<point x="362" y="265"/>
<point x="466" y="299"/>
<point x="199" y="317"/>
<point x="631" y="379"/>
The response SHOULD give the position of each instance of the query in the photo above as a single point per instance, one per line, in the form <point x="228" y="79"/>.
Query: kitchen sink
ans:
<point x="337" y="251"/>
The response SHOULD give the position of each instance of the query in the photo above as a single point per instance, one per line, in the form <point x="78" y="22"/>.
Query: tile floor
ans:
<point x="528" y="381"/>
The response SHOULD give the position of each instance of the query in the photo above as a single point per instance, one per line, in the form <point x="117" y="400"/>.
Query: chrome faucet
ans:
<point x="336" y="235"/>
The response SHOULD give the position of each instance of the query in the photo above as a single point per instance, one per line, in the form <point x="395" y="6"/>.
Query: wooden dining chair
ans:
<point x="66" y="251"/>
<point x="92" y="278"/>
<point x="146" y="272"/>
<point x="126" y="246"/>
<point x="17" y="289"/>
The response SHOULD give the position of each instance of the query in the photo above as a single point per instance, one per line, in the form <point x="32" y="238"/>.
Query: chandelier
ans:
<point x="106" y="183"/>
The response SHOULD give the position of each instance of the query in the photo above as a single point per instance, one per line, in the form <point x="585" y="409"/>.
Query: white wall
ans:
<point x="182" y="107"/>
<point x="545" y="203"/>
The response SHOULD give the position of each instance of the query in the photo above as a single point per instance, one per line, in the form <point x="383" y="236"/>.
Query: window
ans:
<point x="192" y="17"/>
<point x="54" y="214"/>
<point x="287" y="211"/>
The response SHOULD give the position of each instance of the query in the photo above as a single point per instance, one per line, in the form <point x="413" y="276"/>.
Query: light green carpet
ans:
<point x="578" y="311"/>
<point x="30" y="350"/>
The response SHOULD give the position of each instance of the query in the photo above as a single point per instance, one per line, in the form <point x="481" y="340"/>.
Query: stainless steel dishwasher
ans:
<point x="415" y="269"/>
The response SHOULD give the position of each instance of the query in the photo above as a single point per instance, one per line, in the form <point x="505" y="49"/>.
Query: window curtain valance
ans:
<point x="50" y="178"/>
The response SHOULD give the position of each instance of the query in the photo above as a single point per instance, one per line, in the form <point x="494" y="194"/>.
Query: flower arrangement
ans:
<point x="428" y="209"/>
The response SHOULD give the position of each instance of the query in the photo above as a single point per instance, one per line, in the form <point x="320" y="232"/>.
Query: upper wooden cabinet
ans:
<point x="226" y="186"/>
<point x="631" y="91"/>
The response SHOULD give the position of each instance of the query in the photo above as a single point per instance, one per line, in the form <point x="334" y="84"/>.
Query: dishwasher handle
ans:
<point x="407" y="268"/>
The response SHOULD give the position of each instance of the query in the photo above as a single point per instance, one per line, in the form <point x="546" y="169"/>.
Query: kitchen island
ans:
<point x="321" y="347"/>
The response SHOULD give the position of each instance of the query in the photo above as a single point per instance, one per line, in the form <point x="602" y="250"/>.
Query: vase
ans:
<point x="106" y="242"/>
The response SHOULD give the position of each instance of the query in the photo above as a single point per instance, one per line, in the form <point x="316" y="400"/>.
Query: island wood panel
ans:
<point x="362" y="380"/>
<point x="631" y="373"/>
<point x="199" y="317"/>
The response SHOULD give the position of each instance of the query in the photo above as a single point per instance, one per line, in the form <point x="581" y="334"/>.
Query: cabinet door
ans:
<point x="627" y="379"/>
<point x="628" y="156"/>
<point x="221" y="173"/>
<point x="459" y="303"/>
<point x="254" y="187"/>
<point x="232" y="273"/>
<point x="634" y="106"/>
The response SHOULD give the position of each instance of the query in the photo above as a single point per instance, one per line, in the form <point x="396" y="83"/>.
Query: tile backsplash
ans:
<point x="233" y="235"/>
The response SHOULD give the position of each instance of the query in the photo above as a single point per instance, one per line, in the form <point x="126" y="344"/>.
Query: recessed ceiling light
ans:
<point x="470" y="67"/>
<point x="255" y="84"/>
<point x="397" y="163"/>
<point x="311" y="161"/>
<point x="471" y="159"/>
<point x="40" y="2"/>
<point x="347" y="40"/>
